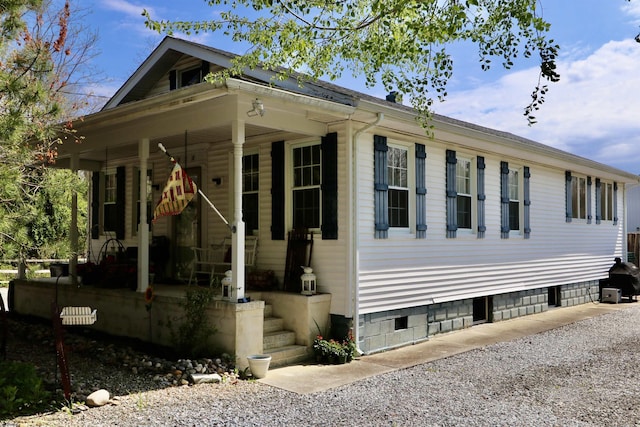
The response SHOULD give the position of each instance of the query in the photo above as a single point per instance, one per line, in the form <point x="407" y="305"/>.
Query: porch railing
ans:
<point x="42" y="267"/>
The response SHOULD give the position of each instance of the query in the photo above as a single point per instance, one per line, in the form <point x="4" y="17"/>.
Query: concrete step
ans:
<point x="273" y="340"/>
<point x="288" y="355"/>
<point x="272" y="324"/>
<point x="268" y="310"/>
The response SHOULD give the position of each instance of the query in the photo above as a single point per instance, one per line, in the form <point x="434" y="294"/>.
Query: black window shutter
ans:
<point x="569" y="197"/>
<point x="421" y="192"/>
<point x="452" y="195"/>
<point x="381" y="187"/>
<point x="277" y="190"/>
<point x="504" y="200"/>
<point x="615" y="203"/>
<point x="527" y="202"/>
<point x="95" y="205"/>
<point x="482" y="227"/>
<point x="173" y="79"/>
<point x="589" y="216"/>
<point x="330" y="186"/>
<point x="120" y="198"/>
<point x="598" y="201"/>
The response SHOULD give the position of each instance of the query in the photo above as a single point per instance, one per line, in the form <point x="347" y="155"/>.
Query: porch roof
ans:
<point x="203" y="110"/>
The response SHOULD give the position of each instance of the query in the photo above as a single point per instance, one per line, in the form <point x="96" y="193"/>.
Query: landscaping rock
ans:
<point x="98" y="398"/>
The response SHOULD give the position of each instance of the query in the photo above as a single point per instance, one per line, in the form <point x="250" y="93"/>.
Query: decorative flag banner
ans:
<point x="178" y="192"/>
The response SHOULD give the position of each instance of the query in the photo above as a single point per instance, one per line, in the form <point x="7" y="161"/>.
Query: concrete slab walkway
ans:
<point x="305" y="379"/>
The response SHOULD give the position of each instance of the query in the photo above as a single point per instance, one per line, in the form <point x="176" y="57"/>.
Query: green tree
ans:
<point x="402" y="44"/>
<point x="41" y="54"/>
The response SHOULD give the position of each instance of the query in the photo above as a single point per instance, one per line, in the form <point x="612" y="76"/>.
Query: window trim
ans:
<point x="520" y="200"/>
<point x="104" y="177"/>
<point x="472" y="195"/>
<point x="576" y="197"/>
<point x="248" y="153"/>
<point x="605" y="210"/>
<point x="289" y="183"/>
<point x="409" y="148"/>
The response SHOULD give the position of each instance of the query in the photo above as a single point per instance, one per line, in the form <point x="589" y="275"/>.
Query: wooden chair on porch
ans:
<point x="222" y="255"/>
<point x="202" y="265"/>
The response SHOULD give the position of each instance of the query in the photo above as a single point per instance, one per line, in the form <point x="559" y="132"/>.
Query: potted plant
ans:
<point x="333" y="351"/>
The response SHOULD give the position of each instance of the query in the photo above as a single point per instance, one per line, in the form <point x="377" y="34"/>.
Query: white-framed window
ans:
<point x="579" y="197"/>
<point x="250" y="191"/>
<point x="398" y="193"/>
<point x="606" y="201"/>
<point x="514" y="199"/>
<point x="306" y="190"/>
<point x="464" y="200"/>
<point x="110" y="192"/>
<point x="190" y="76"/>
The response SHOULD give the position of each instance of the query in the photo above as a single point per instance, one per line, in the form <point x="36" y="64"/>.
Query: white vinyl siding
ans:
<point x="399" y="273"/>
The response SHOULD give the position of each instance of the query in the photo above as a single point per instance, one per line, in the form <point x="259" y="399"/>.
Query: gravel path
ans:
<point x="582" y="374"/>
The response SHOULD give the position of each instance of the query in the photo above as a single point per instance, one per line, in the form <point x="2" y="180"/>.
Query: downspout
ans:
<point x="355" y="241"/>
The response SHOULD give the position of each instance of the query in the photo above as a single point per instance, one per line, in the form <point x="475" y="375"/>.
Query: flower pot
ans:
<point x="259" y="364"/>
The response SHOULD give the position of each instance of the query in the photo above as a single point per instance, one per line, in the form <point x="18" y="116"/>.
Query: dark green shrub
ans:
<point x="21" y="389"/>
<point x="192" y="335"/>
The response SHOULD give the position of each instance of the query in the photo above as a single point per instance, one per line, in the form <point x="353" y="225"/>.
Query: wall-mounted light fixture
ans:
<point x="217" y="181"/>
<point x="258" y="108"/>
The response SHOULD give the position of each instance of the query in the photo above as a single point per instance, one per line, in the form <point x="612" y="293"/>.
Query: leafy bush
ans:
<point x="192" y="335"/>
<point x="21" y="389"/>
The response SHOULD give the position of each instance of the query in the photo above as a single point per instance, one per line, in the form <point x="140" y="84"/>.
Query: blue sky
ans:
<point x="594" y="111"/>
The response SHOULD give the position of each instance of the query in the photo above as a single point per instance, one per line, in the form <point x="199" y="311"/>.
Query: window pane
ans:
<point x="110" y="217"/>
<point x="250" y="212"/>
<point x="398" y="208"/>
<point x="306" y="208"/>
<point x="583" y="198"/>
<point x="397" y="167"/>
<point x="398" y="194"/>
<point x="578" y="197"/>
<point x="463" y="176"/>
<point x="513" y="185"/>
<point x="190" y="77"/>
<point x="609" y="199"/>
<point x="514" y="215"/>
<point x="464" y="211"/>
<point x="307" y="177"/>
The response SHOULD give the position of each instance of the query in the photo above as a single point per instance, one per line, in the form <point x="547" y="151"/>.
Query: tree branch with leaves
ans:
<point x="402" y="44"/>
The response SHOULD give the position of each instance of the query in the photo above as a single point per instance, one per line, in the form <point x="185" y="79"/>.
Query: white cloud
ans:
<point x="128" y="8"/>
<point x="592" y="111"/>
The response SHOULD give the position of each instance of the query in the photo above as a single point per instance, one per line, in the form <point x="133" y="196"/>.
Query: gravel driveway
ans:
<point x="583" y="374"/>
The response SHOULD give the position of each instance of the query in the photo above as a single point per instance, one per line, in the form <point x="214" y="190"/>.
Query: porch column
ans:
<point x="237" y="238"/>
<point x="73" y="232"/>
<point x="143" y="229"/>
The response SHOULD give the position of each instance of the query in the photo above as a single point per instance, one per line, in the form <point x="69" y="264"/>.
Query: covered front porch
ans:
<point x="253" y="327"/>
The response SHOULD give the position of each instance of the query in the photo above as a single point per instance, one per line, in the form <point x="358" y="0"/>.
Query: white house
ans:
<point x="412" y="235"/>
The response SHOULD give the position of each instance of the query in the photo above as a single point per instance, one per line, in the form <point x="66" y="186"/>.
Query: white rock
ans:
<point x="98" y="398"/>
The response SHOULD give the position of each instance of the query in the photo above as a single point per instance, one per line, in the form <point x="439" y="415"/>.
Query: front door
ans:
<point x="186" y="233"/>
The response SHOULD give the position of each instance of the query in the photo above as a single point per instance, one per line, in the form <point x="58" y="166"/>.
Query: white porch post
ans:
<point x="73" y="233"/>
<point x="237" y="238"/>
<point x="143" y="229"/>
